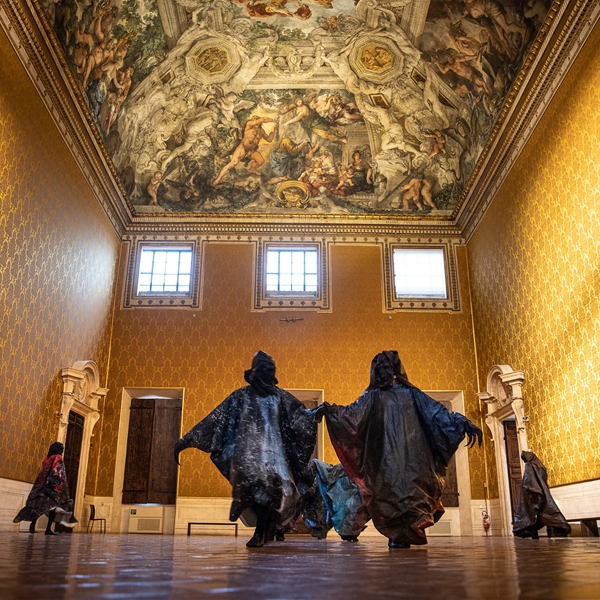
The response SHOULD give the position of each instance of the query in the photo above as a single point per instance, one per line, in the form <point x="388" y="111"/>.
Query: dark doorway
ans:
<point x="71" y="457"/>
<point x="150" y="470"/>
<point x="73" y="450"/>
<point x="450" y="493"/>
<point x="513" y="461"/>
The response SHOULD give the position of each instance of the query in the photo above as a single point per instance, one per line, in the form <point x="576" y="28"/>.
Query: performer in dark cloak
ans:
<point x="395" y="443"/>
<point x="261" y="440"/>
<point x="343" y="500"/>
<point x="49" y="494"/>
<point x="536" y="506"/>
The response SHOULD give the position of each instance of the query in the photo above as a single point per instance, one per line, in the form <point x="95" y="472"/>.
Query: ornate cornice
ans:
<point x="28" y="38"/>
<point x="565" y="30"/>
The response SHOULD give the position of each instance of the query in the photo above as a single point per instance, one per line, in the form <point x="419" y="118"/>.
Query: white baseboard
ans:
<point x="578" y="500"/>
<point x="13" y="495"/>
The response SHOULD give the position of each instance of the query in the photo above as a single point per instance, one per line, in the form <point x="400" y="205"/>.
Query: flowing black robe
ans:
<point x="261" y="445"/>
<point x="395" y="445"/>
<point x="536" y="507"/>
<point x="50" y="491"/>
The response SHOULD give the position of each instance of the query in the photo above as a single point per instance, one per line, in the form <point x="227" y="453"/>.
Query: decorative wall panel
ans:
<point x="57" y="265"/>
<point x="535" y="277"/>
<point x="207" y="351"/>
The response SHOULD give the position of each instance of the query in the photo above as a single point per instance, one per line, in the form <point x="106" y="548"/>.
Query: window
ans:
<point x="165" y="270"/>
<point x="421" y="276"/>
<point x="419" y="273"/>
<point x="292" y="270"/>
<point x="163" y="274"/>
<point x="292" y="275"/>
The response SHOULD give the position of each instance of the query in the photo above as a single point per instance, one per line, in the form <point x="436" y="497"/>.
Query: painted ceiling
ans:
<point x="285" y="107"/>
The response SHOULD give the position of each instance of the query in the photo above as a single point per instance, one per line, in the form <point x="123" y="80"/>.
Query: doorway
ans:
<point x="73" y="450"/>
<point x="150" y="472"/>
<point x="513" y="461"/>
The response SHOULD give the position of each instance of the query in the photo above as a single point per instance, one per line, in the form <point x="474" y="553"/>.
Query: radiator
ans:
<point x="146" y="519"/>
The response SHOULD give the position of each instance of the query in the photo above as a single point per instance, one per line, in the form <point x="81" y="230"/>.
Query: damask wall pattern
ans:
<point x="535" y="277"/>
<point x="58" y="254"/>
<point x="207" y="354"/>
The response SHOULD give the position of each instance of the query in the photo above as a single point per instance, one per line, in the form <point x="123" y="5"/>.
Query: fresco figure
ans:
<point x="395" y="443"/>
<point x="286" y="160"/>
<point x="261" y="439"/>
<point x="248" y="147"/>
<point x="50" y="494"/>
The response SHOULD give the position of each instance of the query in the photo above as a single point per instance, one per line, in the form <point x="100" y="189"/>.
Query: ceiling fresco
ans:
<point x="380" y="107"/>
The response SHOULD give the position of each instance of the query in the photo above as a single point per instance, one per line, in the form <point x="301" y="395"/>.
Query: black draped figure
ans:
<point x="261" y="440"/>
<point x="395" y="443"/>
<point x="536" y="506"/>
<point x="49" y="494"/>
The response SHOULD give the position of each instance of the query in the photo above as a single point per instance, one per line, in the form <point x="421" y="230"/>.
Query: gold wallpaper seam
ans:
<point x="535" y="277"/>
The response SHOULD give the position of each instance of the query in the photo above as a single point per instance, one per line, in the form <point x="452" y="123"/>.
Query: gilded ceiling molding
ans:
<point x="558" y="42"/>
<point x="570" y="24"/>
<point x="20" y="23"/>
<point x="358" y="232"/>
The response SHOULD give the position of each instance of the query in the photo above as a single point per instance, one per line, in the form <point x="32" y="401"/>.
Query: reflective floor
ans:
<point x="36" y="567"/>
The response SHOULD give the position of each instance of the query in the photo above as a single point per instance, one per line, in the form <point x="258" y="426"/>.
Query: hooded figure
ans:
<point x="536" y="506"/>
<point x="49" y="494"/>
<point x="395" y="443"/>
<point x="261" y="440"/>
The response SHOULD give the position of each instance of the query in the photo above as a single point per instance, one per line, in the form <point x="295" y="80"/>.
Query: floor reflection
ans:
<point x="164" y="567"/>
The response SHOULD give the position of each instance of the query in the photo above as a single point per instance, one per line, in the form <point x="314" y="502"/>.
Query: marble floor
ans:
<point x="38" y="567"/>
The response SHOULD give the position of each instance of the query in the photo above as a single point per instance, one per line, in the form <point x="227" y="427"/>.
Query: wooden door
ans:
<point x="450" y="494"/>
<point x="162" y="486"/>
<point x="73" y="450"/>
<point x="513" y="462"/>
<point x="150" y="469"/>
<point x="139" y="451"/>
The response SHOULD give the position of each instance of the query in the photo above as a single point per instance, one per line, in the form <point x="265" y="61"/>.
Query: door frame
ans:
<point x="81" y="394"/>
<point x="127" y="394"/>
<point x="504" y="399"/>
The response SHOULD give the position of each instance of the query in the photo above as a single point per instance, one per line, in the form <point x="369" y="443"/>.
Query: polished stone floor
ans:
<point x="37" y="567"/>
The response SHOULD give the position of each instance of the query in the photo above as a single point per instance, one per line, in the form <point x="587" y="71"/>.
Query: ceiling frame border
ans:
<point x="565" y="30"/>
<point x="571" y="24"/>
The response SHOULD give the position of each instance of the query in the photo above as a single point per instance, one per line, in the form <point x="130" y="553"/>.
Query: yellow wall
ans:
<point x="57" y="265"/>
<point x="535" y="277"/>
<point x="207" y="354"/>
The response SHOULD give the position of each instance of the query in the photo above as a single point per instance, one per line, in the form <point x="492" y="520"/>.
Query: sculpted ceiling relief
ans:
<point x="380" y="107"/>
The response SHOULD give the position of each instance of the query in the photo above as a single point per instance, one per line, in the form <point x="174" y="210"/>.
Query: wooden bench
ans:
<point x="234" y="525"/>
<point x="589" y="527"/>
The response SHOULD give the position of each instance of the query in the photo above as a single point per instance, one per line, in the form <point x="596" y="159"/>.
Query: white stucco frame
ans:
<point x="81" y="394"/>
<point x="504" y="399"/>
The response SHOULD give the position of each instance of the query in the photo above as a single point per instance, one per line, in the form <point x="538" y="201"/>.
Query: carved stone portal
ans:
<point x="81" y="394"/>
<point x="504" y="399"/>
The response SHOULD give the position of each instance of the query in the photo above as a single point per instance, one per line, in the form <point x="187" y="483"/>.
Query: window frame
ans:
<point x="133" y="299"/>
<point x="297" y="300"/>
<point x="394" y="303"/>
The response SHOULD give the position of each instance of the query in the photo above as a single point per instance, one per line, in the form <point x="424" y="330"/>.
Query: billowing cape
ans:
<point x="536" y="506"/>
<point x="50" y="491"/>
<point x="261" y="445"/>
<point x="342" y="498"/>
<point x="395" y="445"/>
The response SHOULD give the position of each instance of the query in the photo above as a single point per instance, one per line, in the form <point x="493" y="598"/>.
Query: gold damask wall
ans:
<point x="535" y="276"/>
<point x="58" y="254"/>
<point x="207" y="354"/>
